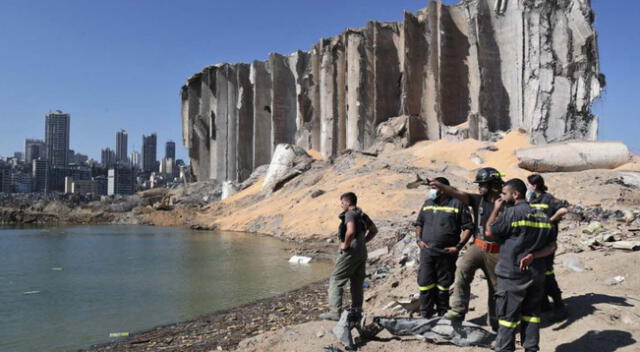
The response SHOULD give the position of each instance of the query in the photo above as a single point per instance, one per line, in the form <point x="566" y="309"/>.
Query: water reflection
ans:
<point x="129" y="278"/>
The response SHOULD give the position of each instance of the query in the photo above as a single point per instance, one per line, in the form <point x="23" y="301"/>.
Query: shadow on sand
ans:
<point x="584" y="305"/>
<point x="598" y="341"/>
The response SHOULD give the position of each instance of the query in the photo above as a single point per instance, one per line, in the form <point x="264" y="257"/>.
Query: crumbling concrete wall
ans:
<point x="493" y="65"/>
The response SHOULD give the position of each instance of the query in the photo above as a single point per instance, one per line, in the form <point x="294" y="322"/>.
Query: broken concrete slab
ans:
<point x="288" y="162"/>
<point x="573" y="156"/>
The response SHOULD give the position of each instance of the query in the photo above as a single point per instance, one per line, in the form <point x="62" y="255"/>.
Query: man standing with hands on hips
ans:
<point x="356" y="229"/>
<point x="440" y="223"/>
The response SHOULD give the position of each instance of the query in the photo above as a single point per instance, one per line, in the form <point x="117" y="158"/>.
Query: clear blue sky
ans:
<point x="119" y="64"/>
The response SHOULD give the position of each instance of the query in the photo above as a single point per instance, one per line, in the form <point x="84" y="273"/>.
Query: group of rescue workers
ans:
<point x="515" y="228"/>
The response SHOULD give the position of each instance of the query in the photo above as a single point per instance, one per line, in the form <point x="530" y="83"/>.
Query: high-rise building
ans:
<point x="108" y="158"/>
<point x="170" y="150"/>
<point x="40" y="175"/>
<point x="149" y="160"/>
<point x="121" y="146"/>
<point x="135" y="160"/>
<point x="34" y="149"/>
<point x="5" y="178"/>
<point x="56" y="137"/>
<point x="121" y="180"/>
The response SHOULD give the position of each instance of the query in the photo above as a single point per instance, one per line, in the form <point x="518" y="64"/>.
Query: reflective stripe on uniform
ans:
<point x="442" y="288"/>
<point x="540" y="206"/>
<point x="438" y="208"/>
<point x="509" y="324"/>
<point x="527" y="223"/>
<point x="427" y="288"/>
<point x="548" y="272"/>
<point x="529" y="319"/>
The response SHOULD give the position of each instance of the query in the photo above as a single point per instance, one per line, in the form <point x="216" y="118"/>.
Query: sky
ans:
<point x="119" y="64"/>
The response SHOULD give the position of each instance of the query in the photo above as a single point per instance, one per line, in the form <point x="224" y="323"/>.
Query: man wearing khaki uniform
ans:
<point x="356" y="229"/>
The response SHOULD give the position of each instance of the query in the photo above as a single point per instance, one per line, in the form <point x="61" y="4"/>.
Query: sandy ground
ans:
<point x="602" y="317"/>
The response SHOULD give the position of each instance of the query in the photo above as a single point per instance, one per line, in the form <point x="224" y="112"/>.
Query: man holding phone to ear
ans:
<point x="525" y="236"/>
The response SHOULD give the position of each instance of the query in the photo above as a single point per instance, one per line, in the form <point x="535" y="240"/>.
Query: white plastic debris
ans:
<point x="118" y="334"/>
<point x="574" y="264"/>
<point x="614" y="280"/>
<point x="299" y="259"/>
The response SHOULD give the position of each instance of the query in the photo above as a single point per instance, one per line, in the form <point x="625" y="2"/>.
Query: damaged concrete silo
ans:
<point x="492" y="65"/>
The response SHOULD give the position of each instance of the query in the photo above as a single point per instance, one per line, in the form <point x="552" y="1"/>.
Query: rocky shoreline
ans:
<point x="223" y="330"/>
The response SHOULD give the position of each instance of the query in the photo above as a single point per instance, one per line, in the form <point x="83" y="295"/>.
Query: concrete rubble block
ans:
<point x="288" y="162"/>
<point x="573" y="156"/>
<point x="403" y="131"/>
<point x="377" y="254"/>
<point x="456" y="133"/>
<point x="229" y="188"/>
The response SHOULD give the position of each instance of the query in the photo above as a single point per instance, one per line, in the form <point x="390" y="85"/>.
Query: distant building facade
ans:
<point x="149" y="158"/>
<point x="5" y="178"/>
<point x="121" y="180"/>
<point x="136" y="160"/>
<point x="40" y="175"/>
<point x="121" y="146"/>
<point x="34" y="149"/>
<point x="170" y="150"/>
<point x="108" y="158"/>
<point x="56" y="137"/>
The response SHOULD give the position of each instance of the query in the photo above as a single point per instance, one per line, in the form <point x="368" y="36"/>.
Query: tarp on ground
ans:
<point x="439" y="330"/>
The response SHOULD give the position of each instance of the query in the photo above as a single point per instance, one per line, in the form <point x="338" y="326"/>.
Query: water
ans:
<point x="95" y="280"/>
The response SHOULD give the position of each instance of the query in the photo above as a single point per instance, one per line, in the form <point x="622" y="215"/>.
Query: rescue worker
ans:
<point x="483" y="254"/>
<point x="440" y="222"/>
<point x="555" y="209"/>
<point x="356" y="229"/>
<point x="525" y="237"/>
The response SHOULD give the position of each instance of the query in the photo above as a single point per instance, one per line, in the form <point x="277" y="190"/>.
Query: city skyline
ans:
<point x="140" y="73"/>
<point x="121" y="141"/>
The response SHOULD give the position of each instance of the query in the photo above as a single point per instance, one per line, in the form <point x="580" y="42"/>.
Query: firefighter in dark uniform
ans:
<point x="555" y="209"/>
<point x="438" y="234"/>
<point x="483" y="254"/>
<point x="525" y="237"/>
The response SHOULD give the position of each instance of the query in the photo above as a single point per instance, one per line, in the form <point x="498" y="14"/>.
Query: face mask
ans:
<point x="433" y="194"/>
<point x="530" y="194"/>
